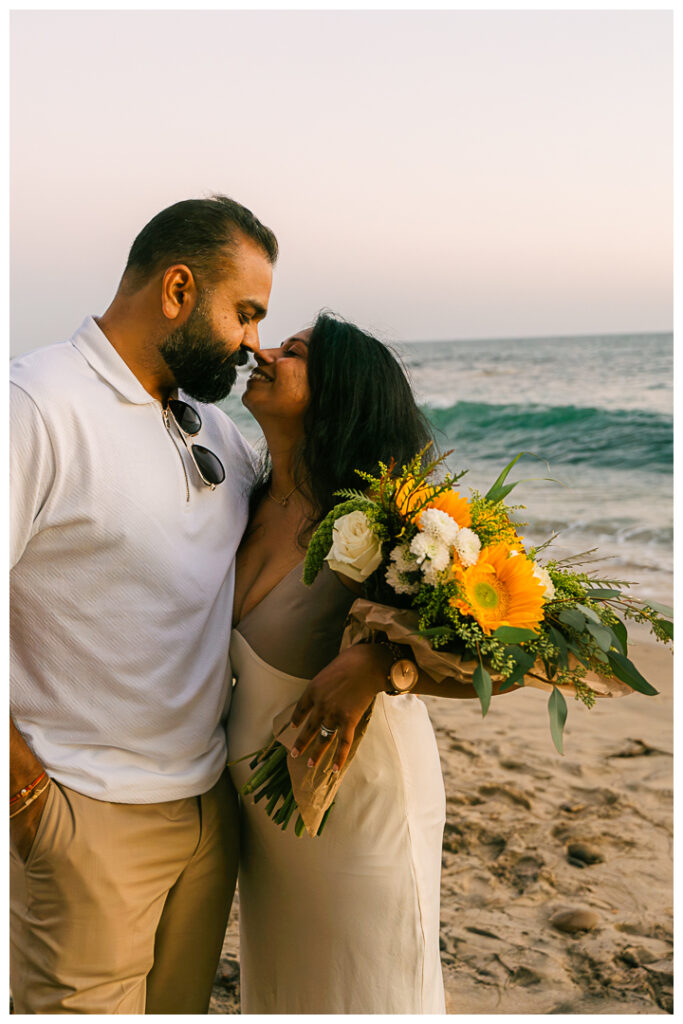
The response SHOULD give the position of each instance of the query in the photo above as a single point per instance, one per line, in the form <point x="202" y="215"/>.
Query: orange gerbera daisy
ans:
<point x="454" y="505"/>
<point x="499" y="590"/>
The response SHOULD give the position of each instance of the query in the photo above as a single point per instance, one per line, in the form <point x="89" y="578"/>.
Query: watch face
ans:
<point x="404" y="674"/>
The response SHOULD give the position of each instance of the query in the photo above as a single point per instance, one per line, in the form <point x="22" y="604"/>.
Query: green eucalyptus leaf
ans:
<point x="467" y="655"/>
<point x="570" y="617"/>
<point x="550" y="668"/>
<point x="661" y="609"/>
<point x="621" y="634"/>
<point x="523" y="662"/>
<point x="561" y="644"/>
<point x="667" y="626"/>
<point x="557" y="710"/>
<point x="629" y="674"/>
<point x="514" y="635"/>
<point x="579" y="652"/>
<point x="601" y="635"/>
<point x="591" y="615"/>
<point x="482" y="683"/>
<point x="602" y="594"/>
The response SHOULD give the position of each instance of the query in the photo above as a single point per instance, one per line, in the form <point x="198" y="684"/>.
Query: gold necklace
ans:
<point x="282" y="501"/>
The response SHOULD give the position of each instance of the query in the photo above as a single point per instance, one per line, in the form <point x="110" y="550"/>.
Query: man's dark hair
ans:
<point x="362" y="411"/>
<point x="201" y="233"/>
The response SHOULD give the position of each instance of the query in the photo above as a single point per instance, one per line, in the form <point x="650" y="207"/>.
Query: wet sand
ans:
<point x="556" y="893"/>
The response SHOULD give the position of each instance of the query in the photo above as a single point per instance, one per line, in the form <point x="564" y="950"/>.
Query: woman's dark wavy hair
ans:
<point x="362" y="412"/>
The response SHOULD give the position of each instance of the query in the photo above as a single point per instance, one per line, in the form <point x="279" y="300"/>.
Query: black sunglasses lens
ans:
<point x="187" y="418"/>
<point x="210" y="465"/>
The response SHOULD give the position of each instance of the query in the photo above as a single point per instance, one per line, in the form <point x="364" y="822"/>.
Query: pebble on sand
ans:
<point x="584" y="853"/>
<point x="574" y="920"/>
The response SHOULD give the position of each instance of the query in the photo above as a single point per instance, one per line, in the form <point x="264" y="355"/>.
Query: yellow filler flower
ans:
<point x="499" y="590"/>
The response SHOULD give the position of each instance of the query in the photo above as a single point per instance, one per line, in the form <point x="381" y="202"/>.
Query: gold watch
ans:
<point x="403" y="674"/>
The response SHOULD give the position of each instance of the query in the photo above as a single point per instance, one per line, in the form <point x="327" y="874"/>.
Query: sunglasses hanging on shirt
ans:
<point x="189" y="423"/>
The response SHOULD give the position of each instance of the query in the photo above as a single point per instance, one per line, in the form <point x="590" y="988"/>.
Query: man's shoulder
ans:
<point x="42" y="371"/>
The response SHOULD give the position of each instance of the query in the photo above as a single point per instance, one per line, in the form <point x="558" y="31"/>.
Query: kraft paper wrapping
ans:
<point x="315" y="788"/>
<point x="400" y="626"/>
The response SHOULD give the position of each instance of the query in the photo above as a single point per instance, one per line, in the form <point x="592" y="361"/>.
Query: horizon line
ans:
<point x="531" y="337"/>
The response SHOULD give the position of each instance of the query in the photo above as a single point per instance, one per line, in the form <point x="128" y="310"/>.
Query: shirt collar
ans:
<point x="99" y="352"/>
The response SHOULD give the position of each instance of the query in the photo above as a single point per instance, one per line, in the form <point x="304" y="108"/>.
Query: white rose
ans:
<point x="468" y="546"/>
<point x="543" y="576"/>
<point x="356" y="549"/>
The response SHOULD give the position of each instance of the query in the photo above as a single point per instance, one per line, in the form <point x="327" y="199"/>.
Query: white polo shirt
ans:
<point x="122" y="581"/>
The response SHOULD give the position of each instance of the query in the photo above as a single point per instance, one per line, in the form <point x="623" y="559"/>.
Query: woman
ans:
<point x="347" y="922"/>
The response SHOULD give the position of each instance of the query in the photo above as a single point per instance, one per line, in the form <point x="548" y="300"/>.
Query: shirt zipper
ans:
<point x="167" y="424"/>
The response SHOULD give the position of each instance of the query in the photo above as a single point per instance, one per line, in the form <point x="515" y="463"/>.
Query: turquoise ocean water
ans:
<point x="598" y="410"/>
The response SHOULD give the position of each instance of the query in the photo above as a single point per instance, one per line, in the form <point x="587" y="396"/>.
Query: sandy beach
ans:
<point x="556" y="892"/>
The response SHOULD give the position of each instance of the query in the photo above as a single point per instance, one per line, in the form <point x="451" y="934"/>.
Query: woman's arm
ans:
<point x="338" y="696"/>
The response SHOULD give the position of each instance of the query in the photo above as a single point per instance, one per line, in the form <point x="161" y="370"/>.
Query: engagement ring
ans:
<point x="325" y="732"/>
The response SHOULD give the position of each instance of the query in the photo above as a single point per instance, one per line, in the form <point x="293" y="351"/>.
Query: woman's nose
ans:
<point x="266" y="355"/>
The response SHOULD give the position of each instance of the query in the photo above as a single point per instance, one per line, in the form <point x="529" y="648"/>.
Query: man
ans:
<point x="128" y="501"/>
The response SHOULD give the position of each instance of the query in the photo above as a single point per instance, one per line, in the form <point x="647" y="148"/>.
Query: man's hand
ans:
<point x="24" y="768"/>
<point x="336" y="699"/>
<point x="23" y="828"/>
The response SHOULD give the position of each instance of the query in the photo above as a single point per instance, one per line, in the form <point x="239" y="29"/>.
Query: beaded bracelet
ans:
<point x="27" y="789"/>
<point x="34" y="796"/>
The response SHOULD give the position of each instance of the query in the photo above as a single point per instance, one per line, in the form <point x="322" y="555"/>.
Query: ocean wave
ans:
<point x="569" y="434"/>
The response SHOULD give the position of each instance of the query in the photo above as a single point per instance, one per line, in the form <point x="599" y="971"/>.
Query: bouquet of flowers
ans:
<point x="450" y="577"/>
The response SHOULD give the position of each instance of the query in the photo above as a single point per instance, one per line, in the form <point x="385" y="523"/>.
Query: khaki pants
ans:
<point x="122" y="908"/>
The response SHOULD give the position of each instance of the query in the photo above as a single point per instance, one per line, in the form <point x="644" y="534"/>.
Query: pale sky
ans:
<point x="432" y="175"/>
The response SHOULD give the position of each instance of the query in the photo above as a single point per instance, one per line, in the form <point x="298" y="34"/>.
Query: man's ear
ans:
<point x="178" y="291"/>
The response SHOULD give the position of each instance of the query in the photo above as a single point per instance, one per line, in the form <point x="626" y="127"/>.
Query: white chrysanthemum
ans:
<point x="467" y="545"/>
<point x="397" y="583"/>
<point x="429" y="573"/>
<point x="401" y="557"/>
<point x="423" y="545"/>
<point x="543" y="576"/>
<point x="439" y="525"/>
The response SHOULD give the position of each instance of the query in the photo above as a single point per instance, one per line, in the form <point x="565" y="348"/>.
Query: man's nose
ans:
<point x="251" y="340"/>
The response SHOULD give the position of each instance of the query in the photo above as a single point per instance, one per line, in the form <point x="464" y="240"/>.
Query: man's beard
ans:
<point x="196" y="357"/>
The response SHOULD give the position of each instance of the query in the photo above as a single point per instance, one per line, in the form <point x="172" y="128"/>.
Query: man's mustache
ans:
<point x="239" y="358"/>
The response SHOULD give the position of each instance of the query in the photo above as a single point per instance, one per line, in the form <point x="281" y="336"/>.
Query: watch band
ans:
<point x="397" y="651"/>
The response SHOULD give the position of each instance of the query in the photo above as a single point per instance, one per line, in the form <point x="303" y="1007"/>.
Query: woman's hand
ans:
<point x="336" y="698"/>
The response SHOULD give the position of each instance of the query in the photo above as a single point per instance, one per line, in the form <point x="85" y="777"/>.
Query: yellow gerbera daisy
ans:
<point x="454" y="505"/>
<point x="499" y="590"/>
